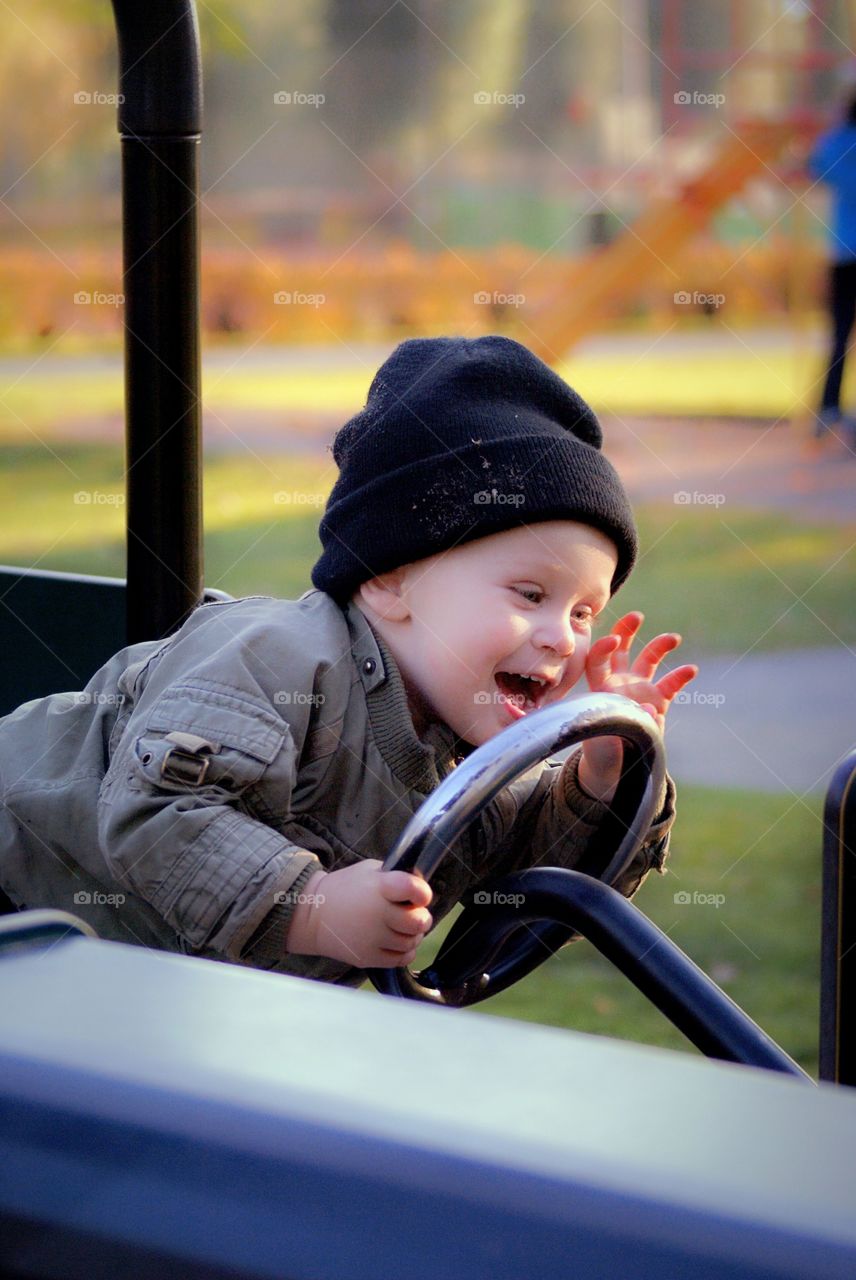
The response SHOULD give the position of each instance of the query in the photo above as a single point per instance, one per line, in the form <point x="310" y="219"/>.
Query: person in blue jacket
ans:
<point x="833" y="162"/>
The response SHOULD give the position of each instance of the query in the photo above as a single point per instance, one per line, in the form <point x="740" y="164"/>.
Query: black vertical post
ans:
<point x="838" y="938"/>
<point x="160" y="122"/>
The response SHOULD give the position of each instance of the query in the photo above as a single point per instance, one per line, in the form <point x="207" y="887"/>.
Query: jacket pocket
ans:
<point x="206" y="741"/>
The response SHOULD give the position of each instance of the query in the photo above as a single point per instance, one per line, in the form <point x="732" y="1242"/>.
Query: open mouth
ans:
<point x="522" y="693"/>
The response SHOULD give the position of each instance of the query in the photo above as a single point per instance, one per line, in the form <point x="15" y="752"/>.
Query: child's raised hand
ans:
<point x="609" y="670"/>
<point x="362" y="915"/>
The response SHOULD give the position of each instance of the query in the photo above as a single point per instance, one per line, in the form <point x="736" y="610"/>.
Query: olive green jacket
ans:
<point x="184" y="798"/>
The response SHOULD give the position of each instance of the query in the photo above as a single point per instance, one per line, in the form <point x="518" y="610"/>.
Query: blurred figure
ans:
<point x="833" y="161"/>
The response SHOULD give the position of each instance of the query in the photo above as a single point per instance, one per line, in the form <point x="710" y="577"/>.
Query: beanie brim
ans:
<point x="485" y="487"/>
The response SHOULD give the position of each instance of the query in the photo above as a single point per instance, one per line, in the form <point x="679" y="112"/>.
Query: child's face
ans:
<point x="480" y="621"/>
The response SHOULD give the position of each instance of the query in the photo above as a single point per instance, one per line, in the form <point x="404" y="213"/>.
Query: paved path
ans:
<point x="768" y="722"/>
<point x="765" y="721"/>
<point x="723" y="463"/>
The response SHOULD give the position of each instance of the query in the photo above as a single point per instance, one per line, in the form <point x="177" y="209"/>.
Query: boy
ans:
<point x="230" y="792"/>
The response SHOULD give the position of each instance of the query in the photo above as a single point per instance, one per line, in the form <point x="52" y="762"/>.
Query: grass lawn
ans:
<point x="727" y="583"/>
<point x="761" y="945"/>
<point x="741" y="378"/>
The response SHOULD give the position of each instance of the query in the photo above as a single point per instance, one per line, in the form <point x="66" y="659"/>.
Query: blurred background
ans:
<point x="620" y="184"/>
<point x="426" y="167"/>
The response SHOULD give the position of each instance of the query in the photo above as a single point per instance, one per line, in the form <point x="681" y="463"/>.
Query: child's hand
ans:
<point x="609" y="670"/>
<point x="362" y="915"/>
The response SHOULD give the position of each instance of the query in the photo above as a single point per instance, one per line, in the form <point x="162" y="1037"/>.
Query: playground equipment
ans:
<point x="791" y="53"/>
<point x="591" y="289"/>
<point x="162" y="1115"/>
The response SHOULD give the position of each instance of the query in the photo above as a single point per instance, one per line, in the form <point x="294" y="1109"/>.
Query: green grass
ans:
<point x="727" y="583"/>
<point x="746" y="579"/>
<point x="768" y="382"/>
<point x="762" y="944"/>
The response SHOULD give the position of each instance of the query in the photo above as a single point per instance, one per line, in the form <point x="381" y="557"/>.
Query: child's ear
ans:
<point x="384" y="595"/>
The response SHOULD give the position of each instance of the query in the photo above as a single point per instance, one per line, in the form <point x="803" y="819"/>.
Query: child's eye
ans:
<point x="584" y="616"/>
<point x="533" y="594"/>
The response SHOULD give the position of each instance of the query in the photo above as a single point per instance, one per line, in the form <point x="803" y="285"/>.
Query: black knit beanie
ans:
<point x="461" y="438"/>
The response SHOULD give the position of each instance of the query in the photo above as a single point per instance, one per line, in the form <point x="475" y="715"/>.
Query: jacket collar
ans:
<point x="419" y="763"/>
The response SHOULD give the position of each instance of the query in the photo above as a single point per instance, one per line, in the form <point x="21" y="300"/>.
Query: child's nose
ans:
<point x="558" y="635"/>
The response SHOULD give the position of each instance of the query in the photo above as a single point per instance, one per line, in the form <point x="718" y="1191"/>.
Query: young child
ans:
<point x="231" y="792"/>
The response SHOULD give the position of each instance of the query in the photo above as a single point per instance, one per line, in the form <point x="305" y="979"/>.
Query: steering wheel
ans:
<point x="461" y="797"/>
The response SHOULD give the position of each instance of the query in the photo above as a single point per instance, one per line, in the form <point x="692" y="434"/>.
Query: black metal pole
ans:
<point x="160" y="121"/>
<point x="838" y="930"/>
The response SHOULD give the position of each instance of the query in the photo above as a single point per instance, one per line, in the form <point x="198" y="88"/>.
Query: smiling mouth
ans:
<point x="526" y="693"/>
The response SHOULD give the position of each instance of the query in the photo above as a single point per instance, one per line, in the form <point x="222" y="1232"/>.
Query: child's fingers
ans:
<point x="599" y="659"/>
<point x="407" y="921"/>
<point x="653" y="653"/>
<point x="626" y="629"/>
<point x="403" y="886"/>
<point x="674" y="681"/>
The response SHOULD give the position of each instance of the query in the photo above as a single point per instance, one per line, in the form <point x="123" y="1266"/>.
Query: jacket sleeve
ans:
<point x="192" y="807"/>
<point x="553" y="822"/>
